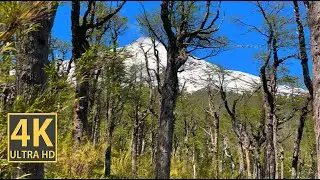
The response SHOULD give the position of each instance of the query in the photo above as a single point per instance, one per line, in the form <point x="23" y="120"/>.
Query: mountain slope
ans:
<point x="195" y="73"/>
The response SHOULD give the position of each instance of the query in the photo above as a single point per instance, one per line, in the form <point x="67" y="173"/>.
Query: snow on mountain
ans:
<point x="195" y="73"/>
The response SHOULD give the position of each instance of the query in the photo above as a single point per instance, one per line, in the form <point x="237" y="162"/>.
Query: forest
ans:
<point x="157" y="107"/>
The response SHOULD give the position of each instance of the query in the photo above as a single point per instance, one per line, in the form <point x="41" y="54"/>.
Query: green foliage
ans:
<point x="18" y="17"/>
<point x="86" y="162"/>
<point x="125" y="90"/>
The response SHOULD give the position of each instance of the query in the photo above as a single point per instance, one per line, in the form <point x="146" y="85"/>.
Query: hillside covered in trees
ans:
<point x="158" y="107"/>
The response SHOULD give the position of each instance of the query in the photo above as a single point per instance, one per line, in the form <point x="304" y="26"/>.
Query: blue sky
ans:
<point x="240" y="59"/>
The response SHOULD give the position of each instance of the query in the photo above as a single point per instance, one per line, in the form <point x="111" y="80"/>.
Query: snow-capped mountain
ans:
<point x="195" y="73"/>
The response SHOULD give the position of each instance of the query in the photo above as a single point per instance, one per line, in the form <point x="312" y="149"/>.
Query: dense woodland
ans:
<point x="115" y="122"/>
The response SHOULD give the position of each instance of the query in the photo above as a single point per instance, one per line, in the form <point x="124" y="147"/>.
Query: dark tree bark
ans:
<point x="8" y="95"/>
<point x="237" y="126"/>
<point x="8" y="88"/>
<point x="134" y="150"/>
<point x="308" y="83"/>
<point x="107" y="165"/>
<point x="110" y="129"/>
<point x="114" y="112"/>
<point x="36" y="170"/>
<point x="32" y="56"/>
<point x="114" y="102"/>
<point x="258" y="140"/>
<point x="137" y="138"/>
<point x="165" y="133"/>
<point x="269" y="151"/>
<point x="313" y="20"/>
<point x="138" y="114"/>
<point x="169" y="96"/>
<point x="298" y="138"/>
<point x="177" y="54"/>
<point x="269" y="102"/>
<point x="79" y="46"/>
<point x="152" y="93"/>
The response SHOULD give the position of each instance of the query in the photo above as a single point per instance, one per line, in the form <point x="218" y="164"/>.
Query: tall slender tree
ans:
<point x="313" y="11"/>
<point x="308" y="83"/>
<point x="182" y="35"/>
<point x="79" y="46"/>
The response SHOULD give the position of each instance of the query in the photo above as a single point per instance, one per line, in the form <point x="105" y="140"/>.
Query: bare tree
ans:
<point x="154" y="83"/>
<point x="308" y="83"/>
<point x="214" y="112"/>
<point x="180" y="32"/>
<point x="114" y="28"/>
<point x="138" y="114"/>
<point x="269" y="86"/>
<point x="227" y="153"/>
<point x="238" y="127"/>
<point x="113" y="78"/>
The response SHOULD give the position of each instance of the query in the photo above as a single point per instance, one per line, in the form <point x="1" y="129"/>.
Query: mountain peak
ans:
<point x="194" y="73"/>
<point x="145" y="41"/>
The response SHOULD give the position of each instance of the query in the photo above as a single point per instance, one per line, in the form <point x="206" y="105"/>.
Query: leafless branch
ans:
<point x="106" y="18"/>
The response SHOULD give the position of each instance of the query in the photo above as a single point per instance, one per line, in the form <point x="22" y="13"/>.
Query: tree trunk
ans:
<point x="281" y="164"/>
<point x="313" y="20"/>
<point x="137" y="137"/>
<point x="153" y="147"/>
<point x="246" y="145"/>
<point x="228" y="153"/>
<point x="308" y="83"/>
<point x="269" y="159"/>
<point x="257" y="166"/>
<point x="110" y="125"/>
<point x="165" y="133"/>
<point x="296" y="143"/>
<point x="216" y="148"/>
<point x="248" y="163"/>
<point x="275" y="144"/>
<point x="95" y="99"/>
<point x="107" y="161"/>
<point x="32" y="56"/>
<point x="220" y="165"/>
<point x="269" y="151"/>
<point x="79" y="46"/>
<point x="134" y="152"/>
<point x="194" y="168"/>
<point x="269" y="94"/>
<point x="241" y="160"/>
<point x="135" y="147"/>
